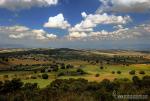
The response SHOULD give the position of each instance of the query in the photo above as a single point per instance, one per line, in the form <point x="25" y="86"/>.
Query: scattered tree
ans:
<point x="45" y="76"/>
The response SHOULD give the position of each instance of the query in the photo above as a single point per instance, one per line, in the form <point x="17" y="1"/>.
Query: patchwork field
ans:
<point x="94" y="64"/>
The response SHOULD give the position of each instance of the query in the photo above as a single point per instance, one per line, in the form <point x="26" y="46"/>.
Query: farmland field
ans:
<point x="28" y="67"/>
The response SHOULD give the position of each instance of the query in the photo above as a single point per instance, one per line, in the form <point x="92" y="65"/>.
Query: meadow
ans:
<point x="36" y="62"/>
<point x="72" y="75"/>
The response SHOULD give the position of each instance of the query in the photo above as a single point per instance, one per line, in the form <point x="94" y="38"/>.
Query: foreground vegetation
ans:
<point x="75" y="90"/>
<point x="73" y="75"/>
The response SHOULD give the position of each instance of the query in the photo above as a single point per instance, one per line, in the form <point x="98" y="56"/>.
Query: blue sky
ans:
<point x="67" y="23"/>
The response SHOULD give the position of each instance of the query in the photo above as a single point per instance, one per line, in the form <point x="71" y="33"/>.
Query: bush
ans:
<point x="146" y="80"/>
<point x="80" y="71"/>
<point x="39" y="76"/>
<point x="113" y="72"/>
<point x="101" y="67"/>
<point x="55" y="69"/>
<point x="96" y="75"/>
<point x="61" y="74"/>
<point x="136" y="80"/>
<point x="132" y="72"/>
<point x="141" y="72"/>
<point x="5" y="76"/>
<point x="10" y="86"/>
<point x="35" y="71"/>
<point x="69" y="66"/>
<point x="45" y="76"/>
<point x="33" y="77"/>
<point x="118" y="72"/>
<point x="62" y="66"/>
<point x="42" y="70"/>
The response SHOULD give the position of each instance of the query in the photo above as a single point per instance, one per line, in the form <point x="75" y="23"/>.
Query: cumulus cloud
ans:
<point x="77" y="35"/>
<point x="57" y="21"/>
<point x="84" y="15"/>
<point x="22" y="32"/>
<point x="25" y="4"/>
<point x="124" y="6"/>
<point x="138" y="32"/>
<point x="92" y="20"/>
<point x="51" y="36"/>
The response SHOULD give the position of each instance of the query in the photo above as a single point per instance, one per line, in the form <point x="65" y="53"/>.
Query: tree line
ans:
<point x="74" y="90"/>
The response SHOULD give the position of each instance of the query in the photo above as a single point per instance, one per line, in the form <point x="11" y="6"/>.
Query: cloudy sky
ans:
<point x="101" y="24"/>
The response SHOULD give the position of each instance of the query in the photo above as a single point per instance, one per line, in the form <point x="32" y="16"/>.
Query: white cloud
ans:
<point x="118" y="27"/>
<point x="77" y="35"/>
<point x="57" y="21"/>
<point x="51" y="36"/>
<point x="39" y="34"/>
<point x="84" y="15"/>
<point x="125" y="6"/>
<point x="21" y="35"/>
<point x="25" y="4"/>
<point x="18" y="28"/>
<point x="114" y="35"/>
<point x="138" y="32"/>
<point x="22" y="32"/>
<point x="92" y="20"/>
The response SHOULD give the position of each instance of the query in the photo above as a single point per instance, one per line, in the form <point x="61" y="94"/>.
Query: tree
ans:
<point x="101" y="65"/>
<point x="33" y="77"/>
<point x="132" y="72"/>
<point x="118" y="72"/>
<point x="45" y="76"/>
<point x="142" y="72"/>
<point x="96" y="75"/>
<point x="55" y="69"/>
<point x="113" y="72"/>
<point x="61" y="74"/>
<point x="30" y="86"/>
<point x="42" y="70"/>
<point x="80" y="71"/>
<point x="62" y="66"/>
<point x="69" y="66"/>
<point x="13" y="85"/>
<point x="136" y="80"/>
<point x="146" y="81"/>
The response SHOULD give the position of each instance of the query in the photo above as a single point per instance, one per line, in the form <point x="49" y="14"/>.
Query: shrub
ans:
<point x="101" y="67"/>
<point x="35" y="71"/>
<point x="118" y="72"/>
<point x="136" y="80"/>
<point x="61" y="74"/>
<point x="69" y="66"/>
<point x="33" y="77"/>
<point x="5" y="76"/>
<point x="55" y="69"/>
<point x="141" y="72"/>
<point x="62" y="66"/>
<point x="39" y="76"/>
<point x="96" y="75"/>
<point x="132" y="72"/>
<point x="80" y="71"/>
<point x="45" y="76"/>
<point x="42" y="70"/>
<point x="146" y="80"/>
<point x="113" y="72"/>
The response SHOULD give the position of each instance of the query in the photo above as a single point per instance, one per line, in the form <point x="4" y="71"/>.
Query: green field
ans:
<point x="80" y="59"/>
<point x="92" y="70"/>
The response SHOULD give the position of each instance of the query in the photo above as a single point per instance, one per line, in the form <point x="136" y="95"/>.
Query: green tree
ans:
<point x="45" y="76"/>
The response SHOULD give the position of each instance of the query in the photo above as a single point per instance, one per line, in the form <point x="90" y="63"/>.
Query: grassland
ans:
<point x="89" y="68"/>
<point x="92" y="70"/>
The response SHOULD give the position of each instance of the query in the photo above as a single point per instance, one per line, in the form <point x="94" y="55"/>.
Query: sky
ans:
<point x="98" y="24"/>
